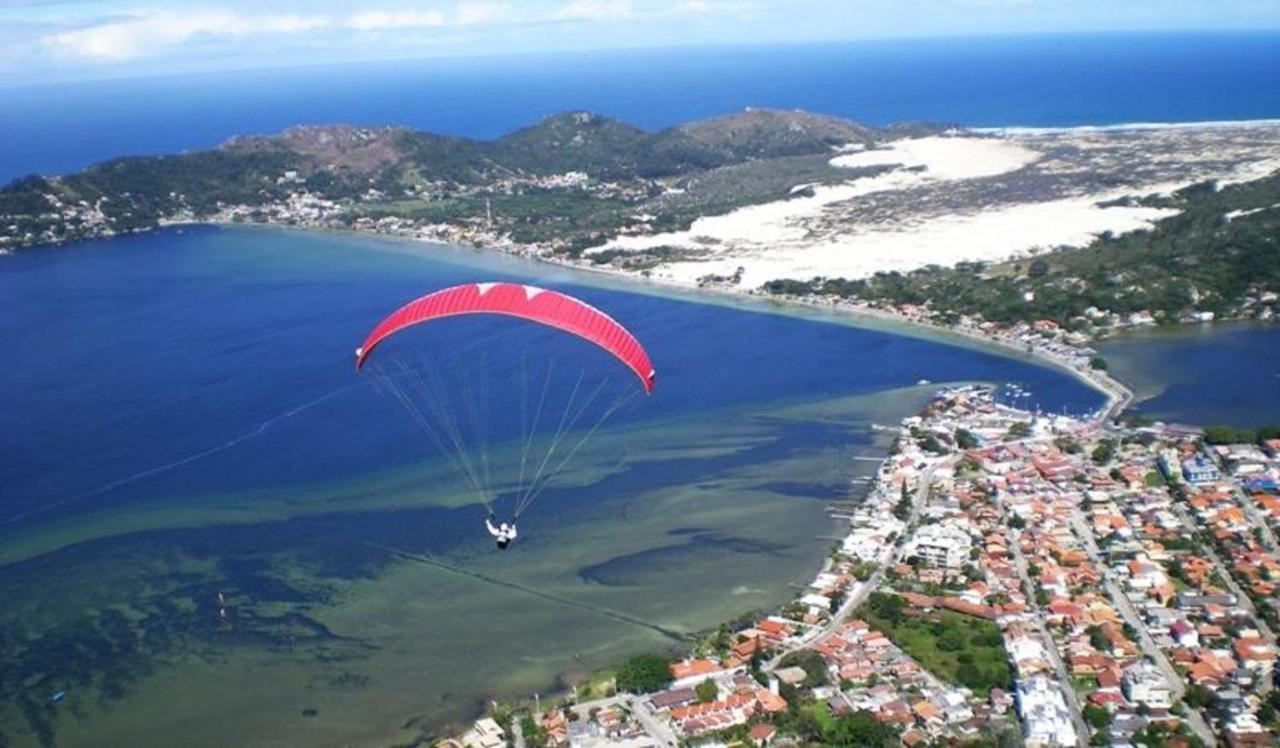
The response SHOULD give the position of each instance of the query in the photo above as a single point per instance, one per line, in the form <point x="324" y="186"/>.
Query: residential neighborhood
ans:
<point x="1010" y="578"/>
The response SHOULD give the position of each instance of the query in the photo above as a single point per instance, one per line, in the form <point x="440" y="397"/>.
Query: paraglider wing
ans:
<point x="538" y="305"/>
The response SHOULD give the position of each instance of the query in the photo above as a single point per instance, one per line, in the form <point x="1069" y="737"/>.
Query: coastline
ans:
<point x="1118" y="395"/>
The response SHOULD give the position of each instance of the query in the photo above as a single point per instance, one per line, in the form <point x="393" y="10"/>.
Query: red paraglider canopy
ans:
<point x="526" y="302"/>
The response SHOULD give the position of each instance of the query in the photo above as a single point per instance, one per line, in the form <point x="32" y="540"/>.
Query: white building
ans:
<point x="1145" y="684"/>
<point x="485" y="734"/>
<point x="940" y="546"/>
<point x="1046" y="719"/>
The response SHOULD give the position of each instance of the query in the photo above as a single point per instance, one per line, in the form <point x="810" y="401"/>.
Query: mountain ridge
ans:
<point x="344" y="162"/>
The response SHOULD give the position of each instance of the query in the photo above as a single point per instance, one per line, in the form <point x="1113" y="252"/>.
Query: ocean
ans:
<point x="1061" y="80"/>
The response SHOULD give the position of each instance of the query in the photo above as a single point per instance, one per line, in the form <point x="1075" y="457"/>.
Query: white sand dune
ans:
<point x="952" y="199"/>
<point x="946" y="158"/>
<point x="991" y="235"/>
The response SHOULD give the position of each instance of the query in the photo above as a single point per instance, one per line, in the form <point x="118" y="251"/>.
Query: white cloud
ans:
<point x="381" y="20"/>
<point x="146" y="34"/>
<point x="694" y="7"/>
<point x="738" y="8"/>
<point x="595" y="10"/>
<point x="153" y="33"/>
<point x="483" y="12"/>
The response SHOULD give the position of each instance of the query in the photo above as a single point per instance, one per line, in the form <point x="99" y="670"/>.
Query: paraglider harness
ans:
<point x="503" y="534"/>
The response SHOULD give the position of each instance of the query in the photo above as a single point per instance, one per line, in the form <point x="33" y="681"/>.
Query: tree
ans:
<point x="1228" y="435"/>
<point x="706" y="691"/>
<point x="1097" y="639"/>
<point x="1199" y="696"/>
<point x="644" y="673"/>
<point x="965" y="439"/>
<point x="1099" y="718"/>
<point x="1098" y="363"/>
<point x="534" y="734"/>
<point x="969" y="675"/>
<point x="930" y="443"/>
<point x="859" y="729"/>
<point x="886" y="606"/>
<point x="952" y="640"/>
<point x="815" y="668"/>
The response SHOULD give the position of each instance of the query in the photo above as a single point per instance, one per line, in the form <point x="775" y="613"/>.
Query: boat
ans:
<point x="59" y="696"/>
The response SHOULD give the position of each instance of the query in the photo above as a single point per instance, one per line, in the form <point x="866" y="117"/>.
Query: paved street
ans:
<point x="1064" y="678"/>
<point x="1131" y="616"/>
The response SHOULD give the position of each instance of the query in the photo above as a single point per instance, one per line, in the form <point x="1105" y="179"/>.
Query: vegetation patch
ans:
<point x="957" y="648"/>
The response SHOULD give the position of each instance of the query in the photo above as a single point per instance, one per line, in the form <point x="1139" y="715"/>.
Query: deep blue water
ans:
<point x="1203" y="375"/>
<point x="224" y="357"/>
<point x="1032" y="80"/>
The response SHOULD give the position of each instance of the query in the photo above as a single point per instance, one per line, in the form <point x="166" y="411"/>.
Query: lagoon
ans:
<point x="183" y="422"/>
<point x="1201" y="375"/>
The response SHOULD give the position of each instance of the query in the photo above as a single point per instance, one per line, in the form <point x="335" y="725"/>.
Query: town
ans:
<point x="1010" y="578"/>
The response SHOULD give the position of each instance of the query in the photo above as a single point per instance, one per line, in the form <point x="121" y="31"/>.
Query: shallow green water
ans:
<point x="191" y="426"/>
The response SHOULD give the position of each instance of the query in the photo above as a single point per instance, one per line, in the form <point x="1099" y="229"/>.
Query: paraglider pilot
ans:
<point x="503" y="533"/>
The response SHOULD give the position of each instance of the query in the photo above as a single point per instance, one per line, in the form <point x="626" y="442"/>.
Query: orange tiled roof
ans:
<point x="690" y="668"/>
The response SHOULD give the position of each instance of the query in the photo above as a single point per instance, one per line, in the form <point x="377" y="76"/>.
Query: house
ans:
<point x="696" y="719"/>
<point x="955" y="706"/>
<point x="1001" y="701"/>
<point x="1256" y="655"/>
<point x="762" y="734"/>
<point x="691" y="672"/>
<point x="774" y="630"/>
<point x="1146" y="575"/>
<point x="1198" y="470"/>
<point x="556" y="727"/>
<point x="1184" y="633"/>
<point x="673" y="698"/>
<point x="485" y="734"/>
<point x="1145" y="684"/>
<point x="928" y="716"/>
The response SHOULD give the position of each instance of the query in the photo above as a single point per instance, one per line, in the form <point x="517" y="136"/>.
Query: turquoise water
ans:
<point x="1203" y="374"/>
<point x="183" y="422"/>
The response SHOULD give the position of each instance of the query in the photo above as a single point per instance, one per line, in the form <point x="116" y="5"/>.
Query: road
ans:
<point x="1258" y="520"/>
<point x="865" y="588"/>
<point x="657" y="728"/>
<point x="1224" y="571"/>
<point x="638" y="706"/>
<point x="517" y="732"/>
<point x="1064" y="679"/>
<point x="1131" y="616"/>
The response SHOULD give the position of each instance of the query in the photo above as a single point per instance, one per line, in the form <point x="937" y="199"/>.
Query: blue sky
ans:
<point x="43" y="40"/>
